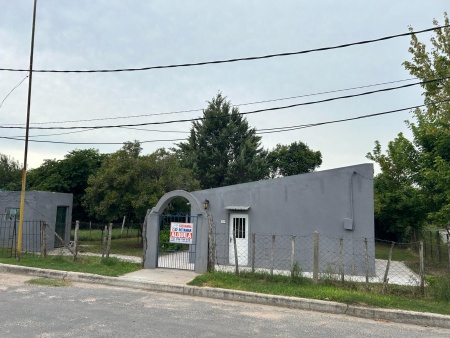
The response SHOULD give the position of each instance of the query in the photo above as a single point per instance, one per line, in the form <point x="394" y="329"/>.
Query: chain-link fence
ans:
<point x="31" y="236"/>
<point x="374" y="263"/>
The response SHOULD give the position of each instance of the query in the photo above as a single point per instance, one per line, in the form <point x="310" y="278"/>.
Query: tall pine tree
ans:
<point x="222" y="149"/>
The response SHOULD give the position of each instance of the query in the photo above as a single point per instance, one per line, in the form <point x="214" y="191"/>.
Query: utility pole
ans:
<point x="24" y="171"/>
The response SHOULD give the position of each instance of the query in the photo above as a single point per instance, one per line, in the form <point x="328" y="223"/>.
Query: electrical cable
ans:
<point x="225" y="116"/>
<point x="17" y="85"/>
<point x="201" y="109"/>
<point x="251" y="58"/>
<point x="265" y="131"/>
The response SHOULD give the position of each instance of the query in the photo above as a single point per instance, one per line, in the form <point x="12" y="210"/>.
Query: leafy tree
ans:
<point x="69" y="175"/>
<point x="127" y="184"/>
<point x="10" y="173"/>
<point x="421" y="168"/>
<point x="399" y="202"/>
<point x="222" y="149"/>
<point x="295" y="158"/>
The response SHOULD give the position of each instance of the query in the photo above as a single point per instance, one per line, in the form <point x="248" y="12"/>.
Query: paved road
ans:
<point x="84" y="310"/>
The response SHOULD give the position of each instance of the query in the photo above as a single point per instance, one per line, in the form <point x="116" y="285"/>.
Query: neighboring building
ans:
<point x="53" y="208"/>
<point x="336" y="203"/>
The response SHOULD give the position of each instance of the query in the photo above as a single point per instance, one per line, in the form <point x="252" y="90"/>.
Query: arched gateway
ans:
<point x="200" y="231"/>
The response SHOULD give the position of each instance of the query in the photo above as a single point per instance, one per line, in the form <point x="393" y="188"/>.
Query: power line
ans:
<point x="251" y="58"/>
<point x="201" y="109"/>
<point x="16" y="86"/>
<point x="87" y="143"/>
<point x="261" y="131"/>
<point x="225" y="116"/>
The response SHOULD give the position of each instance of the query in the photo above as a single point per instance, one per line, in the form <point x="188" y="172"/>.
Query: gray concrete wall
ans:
<point x="299" y="205"/>
<point x="39" y="206"/>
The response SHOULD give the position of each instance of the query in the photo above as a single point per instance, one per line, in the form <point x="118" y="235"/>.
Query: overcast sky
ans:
<point x="109" y="34"/>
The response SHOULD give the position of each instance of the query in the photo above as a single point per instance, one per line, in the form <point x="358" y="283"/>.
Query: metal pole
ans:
<point x="24" y="171"/>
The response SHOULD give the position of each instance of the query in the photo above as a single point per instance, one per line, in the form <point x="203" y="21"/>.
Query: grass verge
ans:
<point x="106" y="267"/>
<point x="400" y="297"/>
<point x="48" y="282"/>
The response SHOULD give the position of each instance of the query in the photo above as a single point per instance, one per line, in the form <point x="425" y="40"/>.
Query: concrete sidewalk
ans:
<point x="174" y="281"/>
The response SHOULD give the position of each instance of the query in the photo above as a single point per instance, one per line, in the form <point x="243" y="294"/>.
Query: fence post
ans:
<point x="43" y="240"/>
<point x="104" y="241"/>
<point x="431" y="245"/>
<point x="211" y="246"/>
<point x="292" y="255"/>
<point x="272" y="255"/>
<point x="422" y="269"/>
<point x="236" y="261"/>
<point x="438" y="246"/>
<point x="90" y="228"/>
<point x="75" y="241"/>
<point x="253" y="251"/>
<point x="123" y="225"/>
<point x="144" y="237"/>
<point x="316" y="257"/>
<point x="341" y="259"/>
<point x="108" y="247"/>
<point x="448" y="253"/>
<point x="386" y="279"/>
<point x="366" y="251"/>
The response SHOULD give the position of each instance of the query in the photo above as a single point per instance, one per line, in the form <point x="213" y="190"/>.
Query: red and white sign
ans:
<point x="181" y="233"/>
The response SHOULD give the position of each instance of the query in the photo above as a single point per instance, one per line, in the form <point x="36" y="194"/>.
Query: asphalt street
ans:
<point x="86" y="310"/>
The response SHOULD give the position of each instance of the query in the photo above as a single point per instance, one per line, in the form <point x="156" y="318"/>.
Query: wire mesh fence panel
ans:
<point x="31" y="237"/>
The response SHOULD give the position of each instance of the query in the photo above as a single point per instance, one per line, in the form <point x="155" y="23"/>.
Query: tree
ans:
<point x="69" y="175"/>
<point x="421" y="168"/>
<point x="399" y="202"/>
<point x="295" y="158"/>
<point x="127" y="184"/>
<point x="10" y="173"/>
<point x="222" y="149"/>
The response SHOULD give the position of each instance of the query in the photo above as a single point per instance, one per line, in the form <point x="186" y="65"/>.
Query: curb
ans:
<point x="398" y="316"/>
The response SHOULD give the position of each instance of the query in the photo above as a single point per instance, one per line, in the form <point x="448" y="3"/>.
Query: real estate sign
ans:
<point x="181" y="232"/>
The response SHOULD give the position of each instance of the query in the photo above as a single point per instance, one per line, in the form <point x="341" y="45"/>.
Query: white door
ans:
<point x="239" y="226"/>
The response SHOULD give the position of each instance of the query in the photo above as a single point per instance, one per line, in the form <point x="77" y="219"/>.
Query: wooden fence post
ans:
<point x="292" y="255"/>
<point x="438" y="246"/>
<point x="366" y="251"/>
<point x="272" y="255"/>
<point x="211" y="246"/>
<point x="104" y="241"/>
<point x="341" y="259"/>
<point x="422" y="269"/>
<point x="316" y="258"/>
<point x="253" y="252"/>
<point x="236" y="261"/>
<point x="43" y="240"/>
<point x="75" y="241"/>
<point x="123" y="225"/>
<point x="108" y="247"/>
<point x="386" y="279"/>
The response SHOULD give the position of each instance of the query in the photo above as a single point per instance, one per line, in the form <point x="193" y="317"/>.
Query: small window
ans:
<point x="11" y="214"/>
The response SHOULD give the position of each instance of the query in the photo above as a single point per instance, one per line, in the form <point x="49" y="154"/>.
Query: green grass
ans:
<point x="400" y="297"/>
<point x="96" y="234"/>
<point x="48" y="282"/>
<point x="106" y="267"/>
<point x="120" y="246"/>
<point x="398" y="254"/>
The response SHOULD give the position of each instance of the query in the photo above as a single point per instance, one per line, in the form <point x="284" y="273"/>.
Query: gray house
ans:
<point x="337" y="204"/>
<point x="55" y="209"/>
